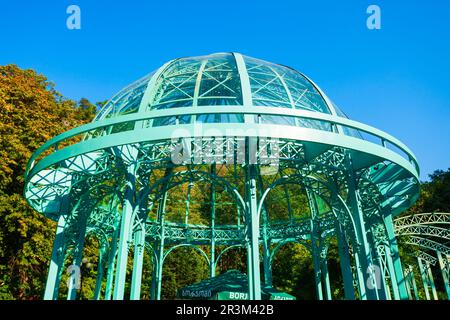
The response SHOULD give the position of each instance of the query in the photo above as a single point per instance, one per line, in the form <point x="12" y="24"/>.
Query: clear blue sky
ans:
<point x="396" y="79"/>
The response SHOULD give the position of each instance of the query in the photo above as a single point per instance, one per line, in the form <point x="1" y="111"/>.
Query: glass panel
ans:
<point x="396" y="149"/>
<point x="184" y="119"/>
<point x="267" y="88"/>
<point x="220" y="83"/>
<point x="315" y="124"/>
<point x="175" y="86"/>
<point x="129" y="103"/>
<point x="351" y="132"/>
<point x="164" y="121"/>
<point x="169" y="121"/>
<point x="126" y="101"/>
<point x="220" y="118"/>
<point x="304" y="95"/>
<point x="339" y="112"/>
<point x="281" y="120"/>
<point x="369" y="137"/>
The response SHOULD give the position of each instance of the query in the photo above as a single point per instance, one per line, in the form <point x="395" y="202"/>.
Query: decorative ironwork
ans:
<point x="272" y="129"/>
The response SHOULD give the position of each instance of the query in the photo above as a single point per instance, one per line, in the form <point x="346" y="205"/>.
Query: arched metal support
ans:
<point x="422" y="219"/>
<point x="227" y="249"/>
<point x="204" y="255"/>
<point x="424" y="230"/>
<point x="428" y="244"/>
<point x="136" y="132"/>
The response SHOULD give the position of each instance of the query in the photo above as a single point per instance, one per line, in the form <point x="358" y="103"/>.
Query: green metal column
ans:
<point x="252" y="224"/>
<point x="392" y="274"/>
<point x="100" y="271"/>
<point x="154" y="271"/>
<point x="188" y="201"/>
<point x="378" y="280"/>
<point x="125" y="226"/>
<point x="381" y="281"/>
<point x="431" y="280"/>
<point x="416" y="292"/>
<point x="56" y="262"/>
<point x="315" y="244"/>
<point x="139" y="249"/>
<point x="360" y="282"/>
<point x="363" y="253"/>
<point x="315" y="251"/>
<point x="344" y="260"/>
<point x="444" y="272"/>
<point x="408" y="284"/>
<point x="78" y="255"/>
<point x="212" y="263"/>
<point x="266" y="258"/>
<point x="411" y="283"/>
<point x="424" y="275"/>
<point x="249" y="270"/>
<point x="397" y="265"/>
<point x="364" y="258"/>
<point x="265" y="239"/>
<point x="326" y="278"/>
<point x="112" y="252"/>
<point x="160" y="250"/>
<point x="363" y="261"/>
<point x="384" y="292"/>
<point x="414" y="285"/>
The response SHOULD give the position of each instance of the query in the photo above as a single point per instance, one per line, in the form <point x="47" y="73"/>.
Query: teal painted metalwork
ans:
<point x="179" y="126"/>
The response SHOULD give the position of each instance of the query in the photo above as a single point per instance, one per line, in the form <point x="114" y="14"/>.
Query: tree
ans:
<point x="435" y="194"/>
<point x="31" y="112"/>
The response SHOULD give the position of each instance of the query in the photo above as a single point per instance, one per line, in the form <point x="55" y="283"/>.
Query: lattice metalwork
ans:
<point x="429" y="232"/>
<point x="258" y="147"/>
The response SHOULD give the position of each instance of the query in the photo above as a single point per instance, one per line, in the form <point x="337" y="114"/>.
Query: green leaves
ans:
<point x="31" y="112"/>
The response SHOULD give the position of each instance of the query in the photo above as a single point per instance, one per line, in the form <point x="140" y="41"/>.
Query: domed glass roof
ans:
<point x="221" y="79"/>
